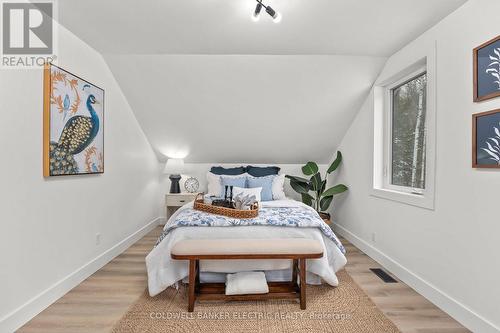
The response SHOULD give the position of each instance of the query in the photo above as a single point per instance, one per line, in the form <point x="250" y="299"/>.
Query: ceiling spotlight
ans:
<point x="277" y="18"/>
<point x="270" y="11"/>
<point x="255" y="16"/>
<point x="274" y="14"/>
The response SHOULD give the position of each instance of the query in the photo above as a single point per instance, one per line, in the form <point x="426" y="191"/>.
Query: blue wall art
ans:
<point x="486" y="139"/>
<point x="487" y="70"/>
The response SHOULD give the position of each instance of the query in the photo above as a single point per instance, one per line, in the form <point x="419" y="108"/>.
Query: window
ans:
<point x="404" y="135"/>
<point x="407" y="155"/>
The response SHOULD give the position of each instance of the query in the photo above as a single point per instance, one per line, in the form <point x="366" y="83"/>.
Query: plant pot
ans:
<point x="325" y="216"/>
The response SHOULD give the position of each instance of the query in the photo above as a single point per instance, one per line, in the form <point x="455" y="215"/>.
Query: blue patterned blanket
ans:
<point x="300" y="217"/>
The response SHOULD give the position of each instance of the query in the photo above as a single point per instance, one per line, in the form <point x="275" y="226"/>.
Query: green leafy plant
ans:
<point x="313" y="190"/>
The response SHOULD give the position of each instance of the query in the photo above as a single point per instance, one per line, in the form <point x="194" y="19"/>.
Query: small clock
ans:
<point x="191" y="184"/>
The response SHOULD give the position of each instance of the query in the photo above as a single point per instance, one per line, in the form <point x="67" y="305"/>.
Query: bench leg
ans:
<point x="192" y="279"/>
<point x="295" y="263"/>
<point x="302" y="269"/>
<point x="197" y="279"/>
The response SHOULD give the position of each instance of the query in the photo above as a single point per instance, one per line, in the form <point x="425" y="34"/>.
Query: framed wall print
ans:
<point x="486" y="139"/>
<point x="487" y="70"/>
<point x="73" y="124"/>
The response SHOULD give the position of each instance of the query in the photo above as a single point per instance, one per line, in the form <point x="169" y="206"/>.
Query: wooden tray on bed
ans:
<point x="229" y="212"/>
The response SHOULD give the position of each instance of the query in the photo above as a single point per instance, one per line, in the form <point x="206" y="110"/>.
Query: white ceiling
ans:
<point x="206" y="81"/>
<point x="352" y="27"/>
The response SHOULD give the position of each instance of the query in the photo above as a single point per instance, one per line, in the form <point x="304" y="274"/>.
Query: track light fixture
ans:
<point x="255" y="16"/>
<point x="274" y="14"/>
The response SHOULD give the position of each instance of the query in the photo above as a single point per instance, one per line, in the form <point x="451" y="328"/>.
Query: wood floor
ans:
<point x="99" y="302"/>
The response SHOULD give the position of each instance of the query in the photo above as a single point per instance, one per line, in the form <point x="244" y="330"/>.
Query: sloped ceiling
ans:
<point x="206" y="82"/>
<point x="255" y="109"/>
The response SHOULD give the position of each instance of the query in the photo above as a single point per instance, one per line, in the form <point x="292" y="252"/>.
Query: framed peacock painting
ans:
<point x="73" y="124"/>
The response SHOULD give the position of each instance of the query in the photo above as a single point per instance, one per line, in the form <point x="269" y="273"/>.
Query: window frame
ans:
<point x="382" y="131"/>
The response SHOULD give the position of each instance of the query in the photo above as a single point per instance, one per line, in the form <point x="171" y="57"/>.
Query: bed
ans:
<point x="284" y="218"/>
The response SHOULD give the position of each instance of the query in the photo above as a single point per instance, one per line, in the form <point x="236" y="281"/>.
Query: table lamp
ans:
<point x="174" y="167"/>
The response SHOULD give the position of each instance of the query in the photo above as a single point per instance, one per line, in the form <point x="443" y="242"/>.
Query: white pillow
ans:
<point x="213" y="183"/>
<point x="278" y="187"/>
<point x="248" y="191"/>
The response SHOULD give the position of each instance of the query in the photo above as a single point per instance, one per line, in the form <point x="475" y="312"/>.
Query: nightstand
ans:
<point x="175" y="200"/>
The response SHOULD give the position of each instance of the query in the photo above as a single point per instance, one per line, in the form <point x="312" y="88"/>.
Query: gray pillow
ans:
<point x="218" y="170"/>
<point x="263" y="171"/>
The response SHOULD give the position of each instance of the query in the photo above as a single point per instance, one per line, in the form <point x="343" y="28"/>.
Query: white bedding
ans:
<point x="164" y="272"/>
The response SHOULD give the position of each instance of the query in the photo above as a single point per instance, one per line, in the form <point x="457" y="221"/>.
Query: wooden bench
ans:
<point x="295" y="249"/>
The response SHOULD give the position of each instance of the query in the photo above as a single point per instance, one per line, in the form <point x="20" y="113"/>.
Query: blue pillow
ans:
<point x="218" y="170"/>
<point x="231" y="181"/>
<point x="267" y="186"/>
<point x="262" y="171"/>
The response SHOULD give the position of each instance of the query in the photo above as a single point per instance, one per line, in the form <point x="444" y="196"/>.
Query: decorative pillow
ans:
<point x="248" y="191"/>
<point x="262" y="171"/>
<point x="218" y="170"/>
<point x="231" y="181"/>
<point x="266" y="183"/>
<point x="278" y="187"/>
<point x="214" y="184"/>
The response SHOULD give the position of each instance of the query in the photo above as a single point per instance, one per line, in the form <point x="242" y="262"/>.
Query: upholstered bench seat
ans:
<point x="288" y="248"/>
<point x="296" y="249"/>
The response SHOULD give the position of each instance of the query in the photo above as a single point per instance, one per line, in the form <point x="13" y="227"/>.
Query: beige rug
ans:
<point x="343" y="309"/>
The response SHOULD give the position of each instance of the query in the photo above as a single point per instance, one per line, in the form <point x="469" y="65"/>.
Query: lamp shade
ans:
<point x="174" y="166"/>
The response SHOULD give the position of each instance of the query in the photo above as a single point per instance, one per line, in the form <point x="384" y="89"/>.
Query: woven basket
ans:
<point x="229" y="212"/>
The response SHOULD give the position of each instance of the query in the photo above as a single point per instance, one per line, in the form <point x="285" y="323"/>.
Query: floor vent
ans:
<point x="383" y="275"/>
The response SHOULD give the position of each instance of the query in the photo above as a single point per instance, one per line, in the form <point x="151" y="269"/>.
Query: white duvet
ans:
<point x="164" y="271"/>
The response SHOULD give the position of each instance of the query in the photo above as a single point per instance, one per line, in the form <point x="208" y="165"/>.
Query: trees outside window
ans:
<point x="408" y="133"/>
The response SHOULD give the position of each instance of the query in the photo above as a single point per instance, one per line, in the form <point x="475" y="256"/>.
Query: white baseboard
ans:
<point x="37" y="304"/>
<point x="455" y="309"/>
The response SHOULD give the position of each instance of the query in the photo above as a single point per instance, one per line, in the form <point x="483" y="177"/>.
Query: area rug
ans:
<point x="343" y="309"/>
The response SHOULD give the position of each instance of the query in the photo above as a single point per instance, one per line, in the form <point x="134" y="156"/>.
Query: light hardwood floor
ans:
<point x="99" y="302"/>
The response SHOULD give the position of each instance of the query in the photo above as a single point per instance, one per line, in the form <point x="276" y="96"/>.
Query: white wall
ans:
<point x="49" y="226"/>
<point x="449" y="254"/>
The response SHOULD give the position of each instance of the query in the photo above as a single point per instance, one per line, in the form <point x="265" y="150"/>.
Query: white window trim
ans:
<point x="382" y="141"/>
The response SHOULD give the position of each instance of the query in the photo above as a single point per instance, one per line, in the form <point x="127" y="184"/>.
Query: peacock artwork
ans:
<point x="73" y="124"/>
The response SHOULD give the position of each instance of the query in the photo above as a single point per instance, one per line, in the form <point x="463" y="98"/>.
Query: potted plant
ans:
<point x="313" y="190"/>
